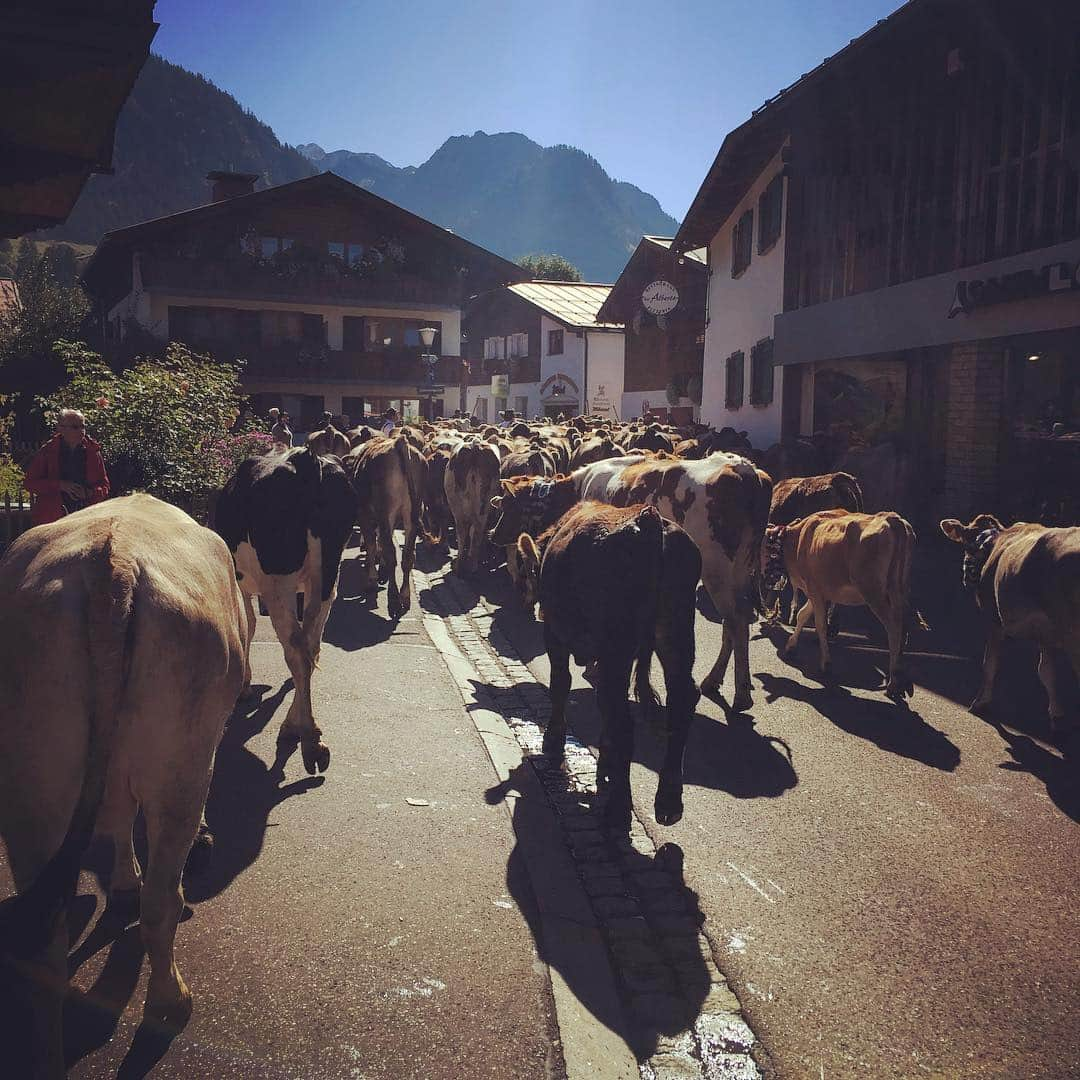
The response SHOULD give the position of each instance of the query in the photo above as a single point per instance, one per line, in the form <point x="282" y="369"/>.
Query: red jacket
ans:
<point x="43" y="479"/>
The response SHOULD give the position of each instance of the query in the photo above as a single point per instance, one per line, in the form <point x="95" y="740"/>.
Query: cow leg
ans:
<point x="408" y="560"/>
<point x="1048" y="675"/>
<point x="116" y="819"/>
<point x="740" y="634"/>
<point x="991" y="660"/>
<point x="249" y="609"/>
<point x="891" y="617"/>
<point x="820" y="609"/>
<point x="800" y="621"/>
<point x="371" y="556"/>
<point x="676" y="653"/>
<point x="554" y="745"/>
<point x="388" y="569"/>
<point x="793" y="614"/>
<point x="618" y="740"/>
<point x="299" y="723"/>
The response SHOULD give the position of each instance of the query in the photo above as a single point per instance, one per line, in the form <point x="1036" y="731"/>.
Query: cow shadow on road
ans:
<point x="354" y="621"/>
<point x="1061" y="775"/>
<point x="641" y="906"/>
<point x="892" y="726"/>
<point x="243" y="791"/>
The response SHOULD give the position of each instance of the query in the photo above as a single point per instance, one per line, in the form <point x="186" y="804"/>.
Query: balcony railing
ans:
<point x="322" y="283"/>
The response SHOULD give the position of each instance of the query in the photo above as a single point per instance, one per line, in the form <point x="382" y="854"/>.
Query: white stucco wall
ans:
<point x="632" y="402"/>
<point x="741" y="313"/>
<point x="606" y="372"/>
<point x="571" y="362"/>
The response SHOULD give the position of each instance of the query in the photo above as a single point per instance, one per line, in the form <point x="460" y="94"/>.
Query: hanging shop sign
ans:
<point x="660" y="297"/>
<point x="1020" y="285"/>
<point x="500" y="386"/>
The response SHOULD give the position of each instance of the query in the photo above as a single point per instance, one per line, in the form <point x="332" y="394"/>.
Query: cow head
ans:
<point x="529" y="504"/>
<point x="523" y="564"/>
<point x="977" y="540"/>
<point x="773" y="570"/>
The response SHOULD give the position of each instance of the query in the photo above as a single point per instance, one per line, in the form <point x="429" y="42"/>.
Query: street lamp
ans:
<point x="427" y="339"/>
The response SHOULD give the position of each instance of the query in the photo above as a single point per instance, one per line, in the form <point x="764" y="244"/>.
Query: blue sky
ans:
<point x="648" y="88"/>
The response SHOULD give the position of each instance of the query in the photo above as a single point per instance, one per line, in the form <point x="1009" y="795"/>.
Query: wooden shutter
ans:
<point x="733" y="398"/>
<point x="761" y="372"/>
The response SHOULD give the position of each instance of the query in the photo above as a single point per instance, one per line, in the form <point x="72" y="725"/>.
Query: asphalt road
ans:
<point x="891" y="891"/>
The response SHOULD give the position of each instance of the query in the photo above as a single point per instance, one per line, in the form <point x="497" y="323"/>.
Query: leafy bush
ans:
<point x="165" y="426"/>
<point x="11" y="479"/>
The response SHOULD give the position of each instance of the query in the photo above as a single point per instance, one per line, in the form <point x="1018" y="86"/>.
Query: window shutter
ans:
<point x="734" y="394"/>
<point x="761" y="372"/>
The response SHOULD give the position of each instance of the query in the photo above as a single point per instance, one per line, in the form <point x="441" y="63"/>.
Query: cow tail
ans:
<point x="900" y="582"/>
<point x="759" y="504"/>
<point x="414" y="495"/>
<point x="852" y="490"/>
<point x="652" y="525"/>
<point x="30" y="922"/>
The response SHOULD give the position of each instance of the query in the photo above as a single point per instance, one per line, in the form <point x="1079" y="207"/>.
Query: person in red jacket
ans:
<point x="67" y="473"/>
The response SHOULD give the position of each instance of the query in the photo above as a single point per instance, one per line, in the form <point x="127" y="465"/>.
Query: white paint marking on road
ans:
<point x="736" y="944"/>
<point x="503" y="904"/>
<point x="751" y="882"/>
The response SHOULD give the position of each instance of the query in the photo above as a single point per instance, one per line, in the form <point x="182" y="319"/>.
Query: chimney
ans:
<point x="227" y="185"/>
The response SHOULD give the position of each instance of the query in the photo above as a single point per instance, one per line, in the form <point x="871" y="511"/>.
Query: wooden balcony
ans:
<point x="316" y="283"/>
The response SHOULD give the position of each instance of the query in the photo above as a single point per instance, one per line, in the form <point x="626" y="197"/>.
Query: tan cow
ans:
<point x="388" y="476"/>
<point x="328" y="440"/>
<point x="1026" y="581"/>
<point x="471" y="481"/>
<point x="123" y="647"/>
<point x="840" y="557"/>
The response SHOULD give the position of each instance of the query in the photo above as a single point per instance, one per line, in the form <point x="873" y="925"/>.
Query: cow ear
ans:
<point x="496" y="504"/>
<point x="527" y="549"/>
<point x="953" y="529"/>
<point x="507" y="487"/>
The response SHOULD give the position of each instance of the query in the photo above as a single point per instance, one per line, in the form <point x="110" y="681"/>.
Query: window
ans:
<point x="391" y="333"/>
<point x="494" y="348"/>
<point x="770" y="213"/>
<point x="355" y="253"/>
<point x="742" y="238"/>
<point x="521" y="405"/>
<point x="336" y="249"/>
<point x="268" y="245"/>
<point x="733" y="396"/>
<point x="761" y="372"/>
<point x="555" y="342"/>
<point x="519" y="345"/>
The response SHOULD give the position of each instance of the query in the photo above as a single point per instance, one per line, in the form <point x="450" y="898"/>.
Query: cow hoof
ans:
<point x="171" y="1012"/>
<point x="316" y="755"/>
<point x="668" y="807"/>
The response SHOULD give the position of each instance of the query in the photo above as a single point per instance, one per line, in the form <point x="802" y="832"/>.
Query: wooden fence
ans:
<point x="14" y="517"/>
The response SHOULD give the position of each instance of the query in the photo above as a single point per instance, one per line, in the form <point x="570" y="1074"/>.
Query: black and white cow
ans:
<point x="286" y="518"/>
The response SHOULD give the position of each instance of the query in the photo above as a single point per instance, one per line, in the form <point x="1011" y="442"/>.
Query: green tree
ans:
<point x="58" y="260"/>
<point x="8" y="253"/>
<point x="550" y="268"/>
<point x="164" y="425"/>
<point x="48" y="313"/>
<point x="26" y="259"/>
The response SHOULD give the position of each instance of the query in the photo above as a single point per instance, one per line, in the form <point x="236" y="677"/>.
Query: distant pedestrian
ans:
<point x="280" y="432"/>
<point x="68" y="472"/>
<point x="389" y="421"/>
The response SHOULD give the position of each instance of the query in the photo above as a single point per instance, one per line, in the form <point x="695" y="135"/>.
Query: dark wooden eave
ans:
<point x="66" y="69"/>
<point x="625" y="296"/>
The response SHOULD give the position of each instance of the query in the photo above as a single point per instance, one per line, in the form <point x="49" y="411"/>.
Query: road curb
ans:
<point x="608" y="906"/>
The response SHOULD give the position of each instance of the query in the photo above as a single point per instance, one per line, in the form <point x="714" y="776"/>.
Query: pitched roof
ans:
<point x="649" y="250"/>
<point x="747" y="149"/>
<point x="572" y="303"/>
<point x="325" y="181"/>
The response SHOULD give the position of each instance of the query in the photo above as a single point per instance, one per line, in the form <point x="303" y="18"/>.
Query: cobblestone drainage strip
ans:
<point x="683" y="1019"/>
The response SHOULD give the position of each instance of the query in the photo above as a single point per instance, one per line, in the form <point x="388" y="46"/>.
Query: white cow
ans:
<point x="123" y="647"/>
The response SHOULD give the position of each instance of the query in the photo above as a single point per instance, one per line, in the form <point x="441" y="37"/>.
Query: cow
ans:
<point x="436" y="513"/>
<point x="328" y="440"/>
<point x="841" y="557"/>
<point x="286" y="518"/>
<point x="798" y="496"/>
<point x="595" y="448"/>
<point x="471" y="481"/>
<point x="722" y="502"/>
<point x="123" y="647"/>
<point x="615" y="584"/>
<point x="1026" y="581"/>
<point x="388" y="476"/>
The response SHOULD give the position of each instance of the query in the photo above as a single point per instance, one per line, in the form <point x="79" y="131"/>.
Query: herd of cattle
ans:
<point x="124" y="642"/>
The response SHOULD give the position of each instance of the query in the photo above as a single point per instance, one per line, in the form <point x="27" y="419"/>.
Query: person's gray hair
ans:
<point x="70" y="414"/>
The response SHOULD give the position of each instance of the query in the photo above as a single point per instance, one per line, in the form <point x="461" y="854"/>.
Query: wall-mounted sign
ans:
<point x="500" y="386"/>
<point x="559" y="385"/>
<point x="600" y="401"/>
<point x="1019" y="285"/>
<point x="660" y="297"/>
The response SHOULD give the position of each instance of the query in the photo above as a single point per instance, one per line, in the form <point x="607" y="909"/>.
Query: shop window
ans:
<point x="770" y="213"/>
<point x="761" y="373"/>
<point x="555" y="342"/>
<point x="733" y="396"/>
<point x="742" y="240"/>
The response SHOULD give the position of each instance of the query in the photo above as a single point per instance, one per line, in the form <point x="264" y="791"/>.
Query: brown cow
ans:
<point x="328" y="440"/>
<point x="799" y="496"/>
<point x="388" y="476"/>
<point x="471" y="480"/>
<point x="840" y="557"/>
<point x="1026" y="581"/>
<point x="614" y="585"/>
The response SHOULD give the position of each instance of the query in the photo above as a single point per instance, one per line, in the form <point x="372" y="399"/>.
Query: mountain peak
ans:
<point x="312" y="151"/>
